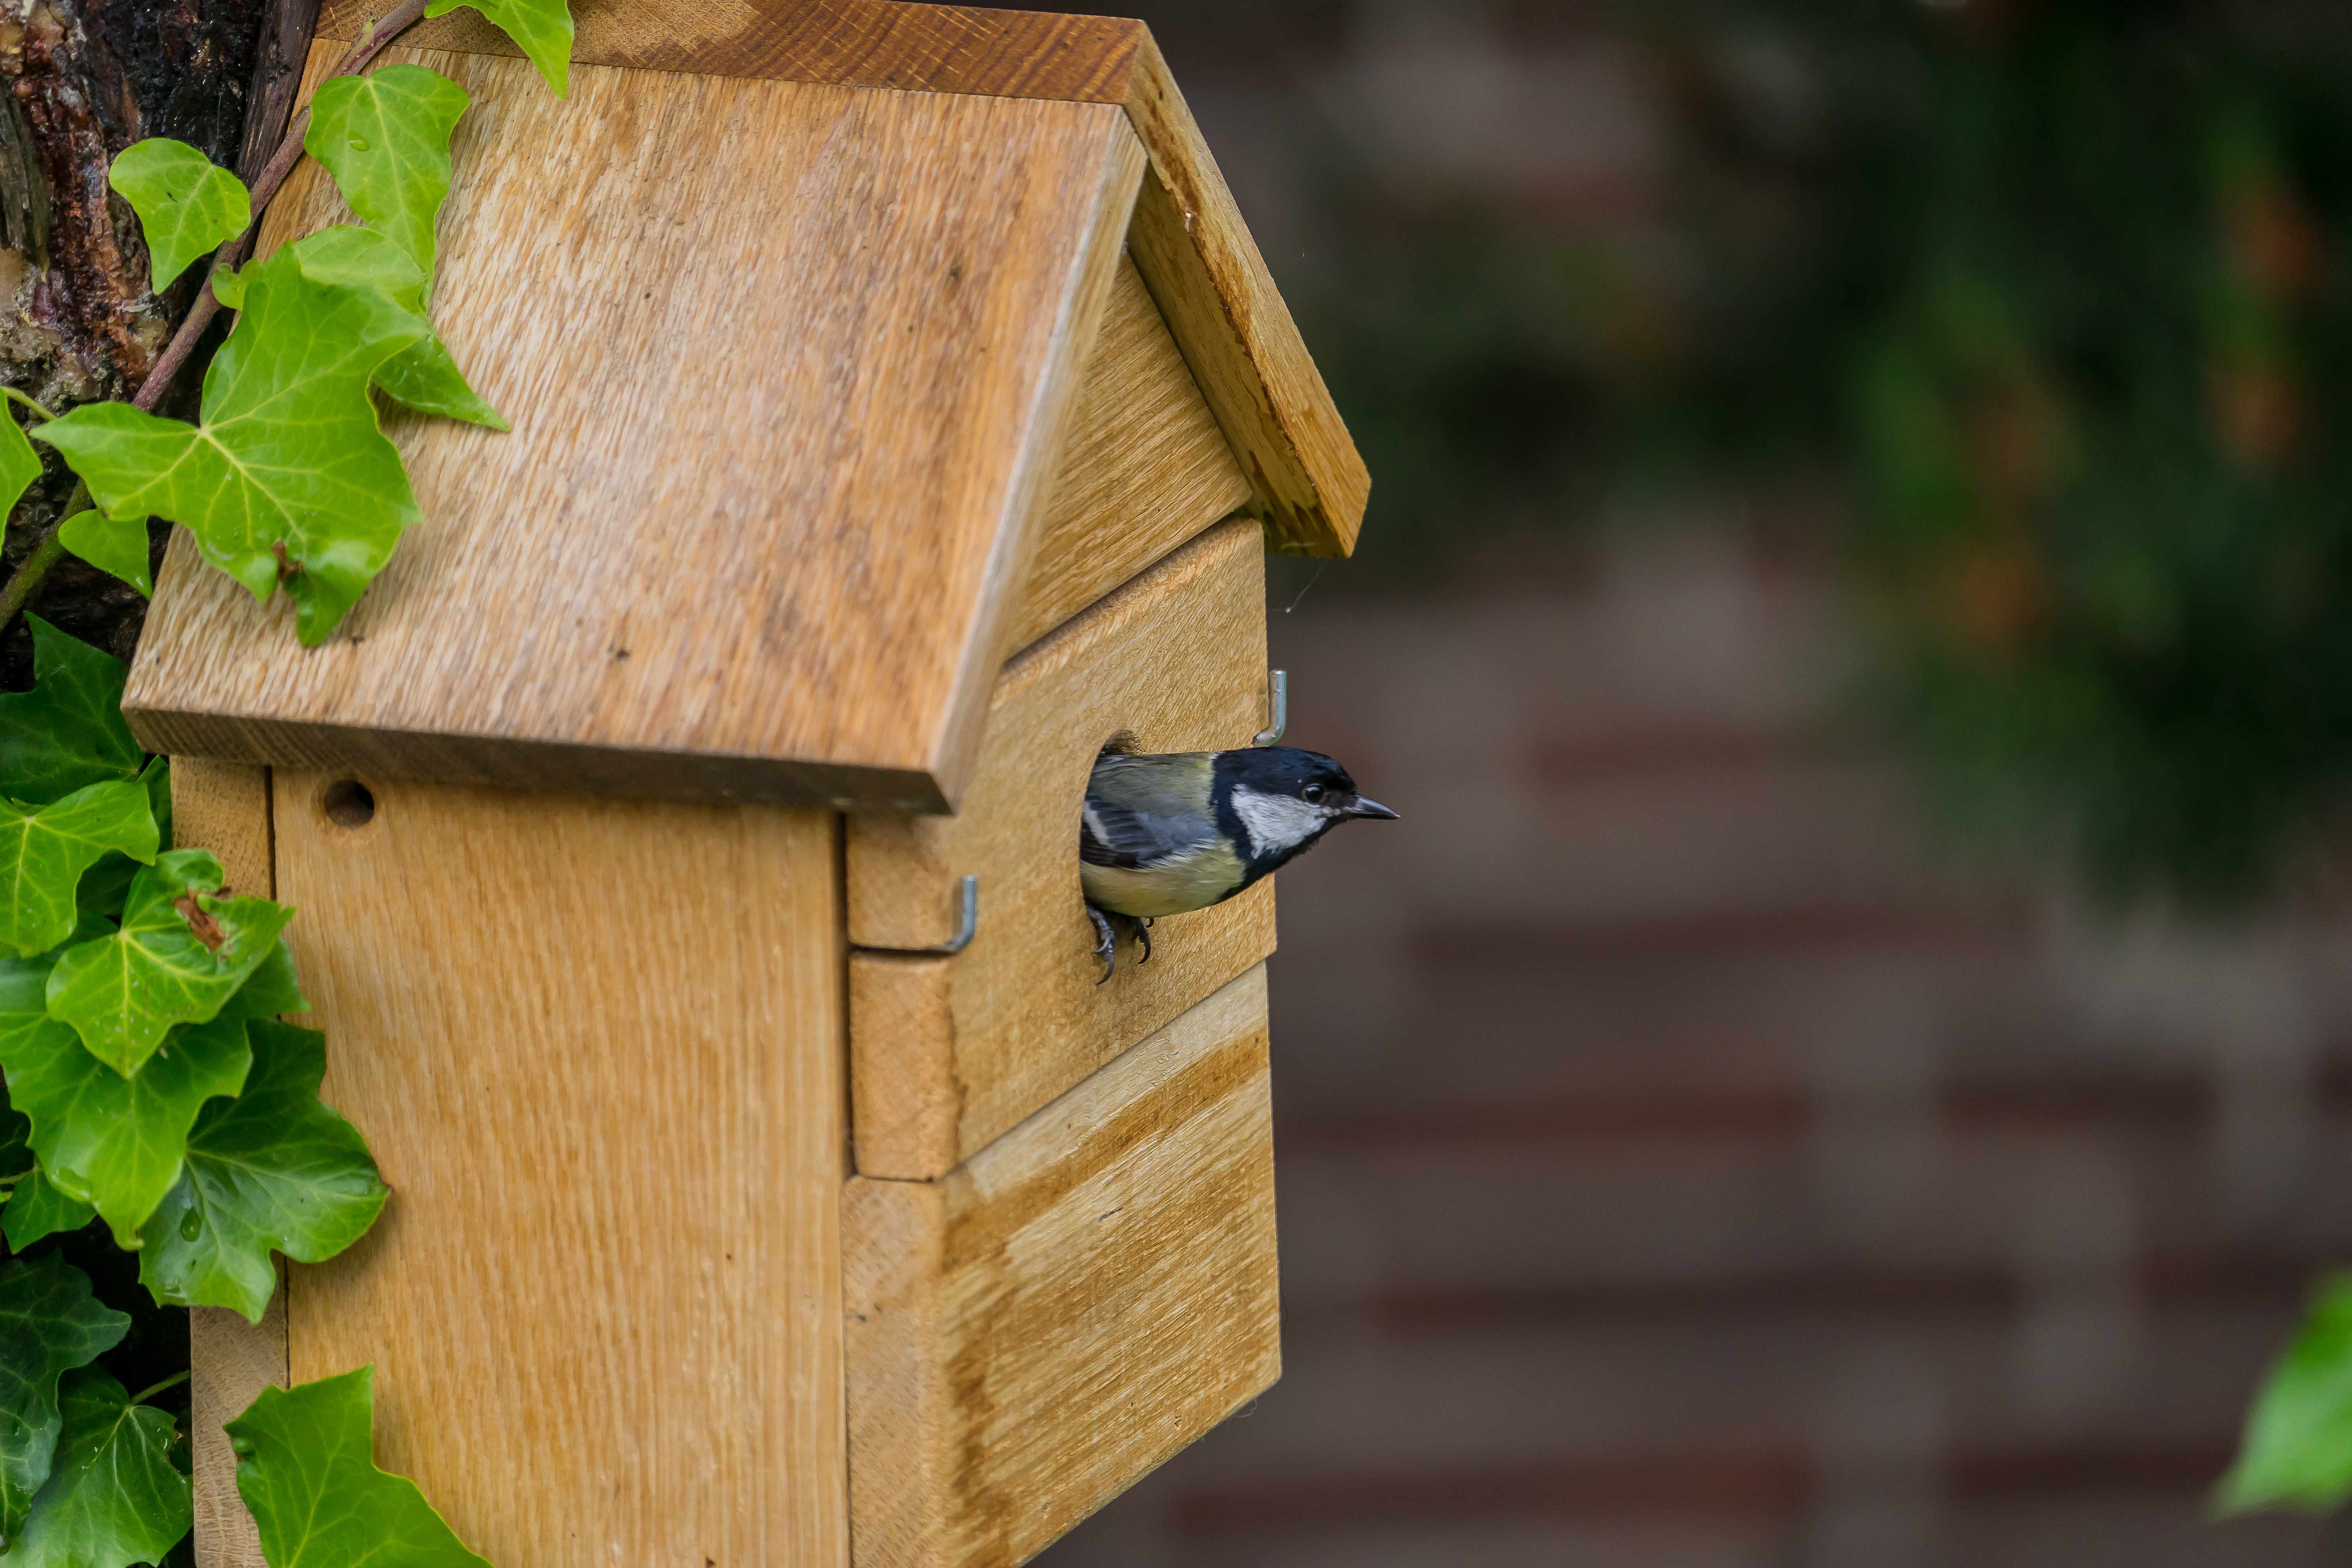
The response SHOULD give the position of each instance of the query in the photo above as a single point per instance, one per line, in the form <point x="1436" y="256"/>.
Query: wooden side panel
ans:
<point x="950" y="1053"/>
<point x="597" y="1048"/>
<point x="1084" y="1299"/>
<point x="224" y="808"/>
<point x="1146" y="466"/>
<point x="861" y="43"/>
<point x="790" y="369"/>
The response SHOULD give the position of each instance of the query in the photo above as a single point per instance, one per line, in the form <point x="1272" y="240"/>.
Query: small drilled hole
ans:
<point x="349" y="803"/>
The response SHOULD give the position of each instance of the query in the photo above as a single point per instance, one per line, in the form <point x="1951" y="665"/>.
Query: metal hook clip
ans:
<point x="967" y="926"/>
<point x="1277" y="686"/>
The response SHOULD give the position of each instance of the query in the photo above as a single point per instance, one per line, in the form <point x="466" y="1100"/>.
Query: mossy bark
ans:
<point x="79" y="323"/>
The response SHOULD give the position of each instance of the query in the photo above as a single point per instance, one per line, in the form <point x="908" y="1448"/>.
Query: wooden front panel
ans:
<point x="597" y="1047"/>
<point x="1036" y="1333"/>
<point x="950" y="1053"/>
<point x="789" y="368"/>
<point x="1144" y="467"/>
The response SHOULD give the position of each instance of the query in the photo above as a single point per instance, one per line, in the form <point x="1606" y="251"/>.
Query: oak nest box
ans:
<point x="901" y="411"/>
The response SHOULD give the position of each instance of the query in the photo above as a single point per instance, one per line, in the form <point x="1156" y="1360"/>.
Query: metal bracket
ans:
<point x="967" y="926"/>
<point x="1278" y="689"/>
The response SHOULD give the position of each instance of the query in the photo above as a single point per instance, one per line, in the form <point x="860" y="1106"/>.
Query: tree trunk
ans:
<point x="78" y="323"/>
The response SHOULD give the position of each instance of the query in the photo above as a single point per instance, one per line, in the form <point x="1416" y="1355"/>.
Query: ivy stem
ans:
<point x="38" y="406"/>
<point x="264" y="190"/>
<point x="25" y="581"/>
<point x="144" y="1394"/>
<point x="28" y="578"/>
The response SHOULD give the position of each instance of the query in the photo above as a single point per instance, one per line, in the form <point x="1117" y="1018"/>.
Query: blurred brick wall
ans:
<point x="1677" y="1168"/>
<point x="1682" y="1166"/>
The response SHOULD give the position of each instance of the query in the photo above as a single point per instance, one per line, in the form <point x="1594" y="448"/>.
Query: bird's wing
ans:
<point x="1146" y="812"/>
<point x="1113" y="834"/>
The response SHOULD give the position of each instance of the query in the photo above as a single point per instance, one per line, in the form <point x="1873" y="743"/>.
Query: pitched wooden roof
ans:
<point x="1195" y="250"/>
<point x="789" y="349"/>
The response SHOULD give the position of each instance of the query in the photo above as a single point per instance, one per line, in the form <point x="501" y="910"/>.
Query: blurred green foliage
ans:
<point x="2053" y="293"/>
<point x="2299" y="1446"/>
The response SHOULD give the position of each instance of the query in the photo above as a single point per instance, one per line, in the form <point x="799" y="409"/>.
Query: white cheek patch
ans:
<point x="1276" y="821"/>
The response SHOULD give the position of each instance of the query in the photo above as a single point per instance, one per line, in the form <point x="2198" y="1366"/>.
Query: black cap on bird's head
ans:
<point x="1277" y="800"/>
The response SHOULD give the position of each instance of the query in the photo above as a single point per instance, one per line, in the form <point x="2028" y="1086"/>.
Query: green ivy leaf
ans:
<point x="106" y="886"/>
<point x="114" y="1142"/>
<point x="16" y="1139"/>
<point x="386" y="138"/>
<point x="288" y="479"/>
<point x="45" y="851"/>
<point x="38" y="1209"/>
<point x="157" y="777"/>
<point x="114" y="1497"/>
<point x="19" y="465"/>
<point x="181" y="954"/>
<point x="50" y="1323"/>
<point x="273" y="1170"/>
<point x="308" y="1475"/>
<point x="115" y="545"/>
<point x="271" y="991"/>
<point x="541" y="28"/>
<point x="188" y="205"/>
<point x="228" y="287"/>
<point x="68" y="732"/>
<point x="2297" y="1451"/>
<point x="423" y="376"/>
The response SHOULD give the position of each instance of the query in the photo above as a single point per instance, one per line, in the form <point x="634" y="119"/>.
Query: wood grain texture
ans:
<point x="1195" y="251"/>
<point x="1033" y="1334"/>
<point x="1310" y="484"/>
<point x="1145" y="468"/>
<point x="785" y="427"/>
<point x="850" y="42"/>
<point x="968" y="1045"/>
<point x="231" y="1362"/>
<point x="224" y="808"/>
<point x="597" y="1048"/>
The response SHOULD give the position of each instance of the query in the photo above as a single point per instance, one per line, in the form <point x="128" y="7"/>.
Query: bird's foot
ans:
<point x="1143" y="935"/>
<point x="1108" y="948"/>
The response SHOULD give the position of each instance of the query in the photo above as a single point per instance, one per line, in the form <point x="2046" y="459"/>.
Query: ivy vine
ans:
<point x="148" y="1086"/>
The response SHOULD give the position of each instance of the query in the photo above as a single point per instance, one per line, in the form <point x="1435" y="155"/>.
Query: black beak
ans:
<point x="1372" y="809"/>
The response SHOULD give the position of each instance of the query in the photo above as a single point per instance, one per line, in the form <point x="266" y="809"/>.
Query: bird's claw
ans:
<point x="1108" y="948"/>
<point x="1143" y="935"/>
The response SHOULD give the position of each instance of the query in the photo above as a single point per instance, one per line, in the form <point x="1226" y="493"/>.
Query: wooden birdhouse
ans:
<point x="901" y="412"/>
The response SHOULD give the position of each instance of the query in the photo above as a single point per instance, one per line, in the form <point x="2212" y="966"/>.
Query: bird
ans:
<point x="1168" y="834"/>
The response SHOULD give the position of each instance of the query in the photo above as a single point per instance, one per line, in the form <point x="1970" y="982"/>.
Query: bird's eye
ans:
<point x="1314" y="795"/>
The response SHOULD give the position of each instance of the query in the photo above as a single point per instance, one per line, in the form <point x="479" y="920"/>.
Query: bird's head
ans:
<point x="1277" y="800"/>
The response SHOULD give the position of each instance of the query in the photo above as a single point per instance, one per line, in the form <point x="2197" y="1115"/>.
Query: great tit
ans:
<point x="1165" y="834"/>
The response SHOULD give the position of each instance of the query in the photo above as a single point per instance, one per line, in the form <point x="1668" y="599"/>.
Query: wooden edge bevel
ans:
<point x="226" y="807"/>
<point x="1084" y="304"/>
<point x="1309" y="484"/>
<point x="530" y="766"/>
